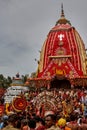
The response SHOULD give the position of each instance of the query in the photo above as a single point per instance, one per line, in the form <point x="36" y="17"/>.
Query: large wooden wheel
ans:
<point x="47" y="100"/>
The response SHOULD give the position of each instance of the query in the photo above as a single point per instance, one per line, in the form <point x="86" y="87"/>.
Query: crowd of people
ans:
<point x="71" y="113"/>
<point x="19" y="121"/>
<point x="67" y="101"/>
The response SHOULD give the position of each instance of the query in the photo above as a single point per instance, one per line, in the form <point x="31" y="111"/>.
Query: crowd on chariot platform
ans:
<point x="71" y="113"/>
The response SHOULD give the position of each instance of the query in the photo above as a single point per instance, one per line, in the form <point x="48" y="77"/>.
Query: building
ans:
<point x="63" y="59"/>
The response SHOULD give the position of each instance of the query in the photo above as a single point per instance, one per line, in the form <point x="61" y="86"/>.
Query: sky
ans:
<point x="24" y="25"/>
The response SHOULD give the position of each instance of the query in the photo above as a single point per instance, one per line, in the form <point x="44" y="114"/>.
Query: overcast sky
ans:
<point x="24" y="25"/>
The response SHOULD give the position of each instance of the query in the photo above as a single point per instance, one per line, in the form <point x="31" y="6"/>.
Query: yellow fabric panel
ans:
<point x="82" y="51"/>
<point x="41" y="61"/>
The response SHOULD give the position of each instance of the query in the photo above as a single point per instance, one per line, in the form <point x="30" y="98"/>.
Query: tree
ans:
<point x="24" y="78"/>
<point x="5" y="82"/>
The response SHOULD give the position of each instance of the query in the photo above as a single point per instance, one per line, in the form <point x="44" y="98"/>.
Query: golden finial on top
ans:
<point x="62" y="19"/>
<point x="62" y="11"/>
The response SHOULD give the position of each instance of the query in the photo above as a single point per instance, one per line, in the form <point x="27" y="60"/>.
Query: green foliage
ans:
<point x="5" y="82"/>
<point x="24" y="78"/>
